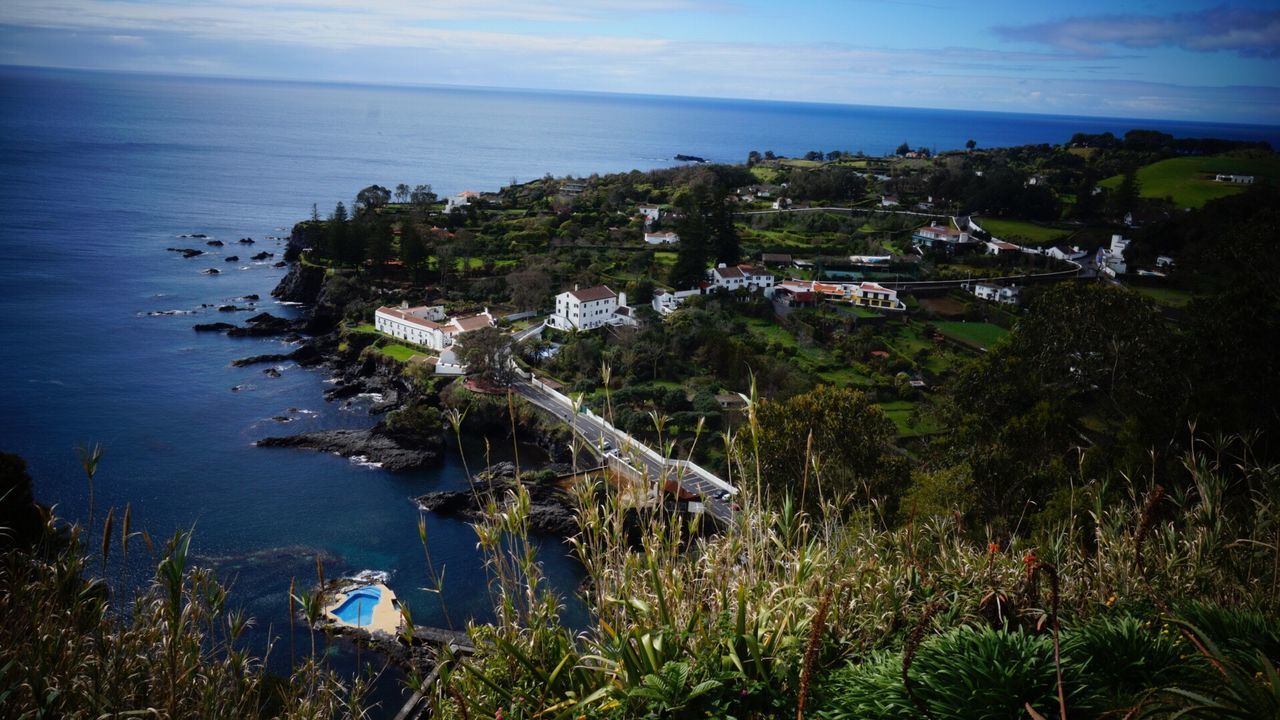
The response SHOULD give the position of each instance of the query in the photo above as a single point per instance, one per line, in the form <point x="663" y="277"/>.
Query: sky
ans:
<point x="1166" y="59"/>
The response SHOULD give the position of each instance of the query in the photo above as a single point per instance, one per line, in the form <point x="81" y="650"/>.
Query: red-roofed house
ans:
<point x="941" y="236"/>
<point x="427" y="326"/>
<point x="590" y="308"/>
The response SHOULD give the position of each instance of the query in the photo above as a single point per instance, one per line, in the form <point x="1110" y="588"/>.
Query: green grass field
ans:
<point x="983" y="335"/>
<point x="1189" y="180"/>
<point x="1169" y="297"/>
<point x="899" y="411"/>
<point x="766" y="175"/>
<point x="399" y="352"/>
<point x="1022" y="233"/>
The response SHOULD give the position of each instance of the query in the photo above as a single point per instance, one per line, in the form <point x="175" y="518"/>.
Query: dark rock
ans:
<point x="263" y="255"/>
<point x="690" y="158"/>
<point x="255" y="359"/>
<point x="214" y="243"/>
<point x="301" y="284"/>
<point x="272" y="372"/>
<point x="233" y="308"/>
<point x="198" y="236"/>
<point x="253" y="297"/>
<point x="212" y="327"/>
<point x="282" y="418"/>
<point x="245" y="241"/>
<point x="186" y="252"/>
<point x="264" y="325"/>
<point x="233" y="258"/>
<point x="236" y="388"/>
<point x="211" y="271"/>
<point x="377" y="445"/>
<point x="279" y="264"/>
<point x="551" y="509"/>
<point x="307" y="355"/>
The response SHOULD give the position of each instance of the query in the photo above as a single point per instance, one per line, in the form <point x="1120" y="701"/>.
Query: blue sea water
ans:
<point x="99" y="173"/>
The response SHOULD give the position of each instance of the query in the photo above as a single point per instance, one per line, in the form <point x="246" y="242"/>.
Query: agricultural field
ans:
<point x="1168" y="297"/>
<point x="1022" y="233"/>
<point x="980" y="334"/>
<point x="1189" y="180"/>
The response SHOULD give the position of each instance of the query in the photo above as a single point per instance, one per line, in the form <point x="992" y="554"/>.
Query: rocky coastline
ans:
<point x="551" y="508"/>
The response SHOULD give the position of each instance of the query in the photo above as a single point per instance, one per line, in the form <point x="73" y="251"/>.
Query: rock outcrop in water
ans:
<point x="550" y="508"/>
<point x="375" y="445"/>
<point x="302" y="284"/>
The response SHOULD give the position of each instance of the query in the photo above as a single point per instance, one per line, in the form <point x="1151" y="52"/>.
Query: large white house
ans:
<point x="1007" y="294"/>
<point x="941" y="236"/>
<point x="661" y="238"/>
<point x="427" y="325"/>
<point x="739" y="277"/>
<point x="590" y="308"/>
<point x="459" y="201"/>
<point x="666" y="302"/>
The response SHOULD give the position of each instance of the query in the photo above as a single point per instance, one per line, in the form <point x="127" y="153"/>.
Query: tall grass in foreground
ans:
<point x="838" y="614"/>
<point x="177" y="652"/>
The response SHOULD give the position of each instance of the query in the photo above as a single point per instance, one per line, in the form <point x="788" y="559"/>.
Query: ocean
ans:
<point x="100" y="173"/>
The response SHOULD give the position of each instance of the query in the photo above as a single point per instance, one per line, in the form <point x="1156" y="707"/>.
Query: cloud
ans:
<point x="1246" y="32"/>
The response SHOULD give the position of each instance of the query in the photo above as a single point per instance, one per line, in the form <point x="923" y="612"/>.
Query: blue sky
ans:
<point x="1170" y="59"/>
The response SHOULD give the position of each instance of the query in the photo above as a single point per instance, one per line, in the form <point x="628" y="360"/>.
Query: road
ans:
<point x="602" y="435"/>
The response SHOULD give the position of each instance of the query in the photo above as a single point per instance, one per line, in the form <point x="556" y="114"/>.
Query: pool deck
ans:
<point x="386" y="614"/>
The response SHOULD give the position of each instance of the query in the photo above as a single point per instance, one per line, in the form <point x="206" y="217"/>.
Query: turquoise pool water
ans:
<point x="357" y="609"/>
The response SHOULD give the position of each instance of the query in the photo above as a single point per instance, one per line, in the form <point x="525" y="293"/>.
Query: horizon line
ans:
<point x="608" y="93"/>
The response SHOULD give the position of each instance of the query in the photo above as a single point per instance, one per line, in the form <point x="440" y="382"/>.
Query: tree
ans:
<point x="412" y="250"/>
<point x="529" y="288"/>
<point x="1126" y="196"/>
<point x="378" y="244"/>
<point x="371" y="198"/>
<point x="422" y="198"/>
<point x="834" y="440"/>
<point x="402" y="193"/>
<point x="486" y="352"/>
<point x="753" y="157"/>
<point x="970" y="144"/>
<point x="903" y="149"/>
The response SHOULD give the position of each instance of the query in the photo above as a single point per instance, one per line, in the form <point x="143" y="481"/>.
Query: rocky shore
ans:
<point x="376" y="445"/>
<point x="551" y="509"/>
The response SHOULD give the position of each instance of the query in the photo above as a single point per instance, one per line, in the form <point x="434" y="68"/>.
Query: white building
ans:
<point x="427" y="326"/>
<point x="651" y="213"/>
<point x="590" y="308"/>
<point x="666" y="302"/>
<point x="661" y="238"/>
<point x="1063" y="252"/>
<point x="941" y="236"/>
<point x="739" y="277"/>
<point x="1000" y="247"/>
<point x="1009" y="295"/>
<point x="459" y="201"/>
<point x="1164" y="261"/>
<point x="875" y="295"/>
<point x="1240" y="179"/>
<point x="889" y="201"/>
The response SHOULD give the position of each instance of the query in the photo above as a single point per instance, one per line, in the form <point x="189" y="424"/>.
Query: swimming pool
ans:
<point x="357" y="609"/>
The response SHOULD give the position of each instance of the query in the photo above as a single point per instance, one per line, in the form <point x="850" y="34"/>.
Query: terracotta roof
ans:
<point x="1004" y="245"/>
<point x="472" y="322"/>
<point x="591" y="294"/>
<point x="939" y="230"/>
<point x="729" y="272"/>
<point x="408" y="316"/>
<point x="775" y="257"/>
<point x="873" y="287"/>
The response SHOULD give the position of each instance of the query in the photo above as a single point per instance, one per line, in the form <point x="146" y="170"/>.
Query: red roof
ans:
<point x="729" y="272"/>
<point x="409" y="317"/>
<point x="591" y="294"/>
<point x="939" y="230"/>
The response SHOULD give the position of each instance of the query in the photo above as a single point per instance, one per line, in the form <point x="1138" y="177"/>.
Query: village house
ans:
<point x="941" y="236"/>
<point x="460" y="201"/>
<point x="889" y="201"/>
<point x="739" y="277"/>
<point x="651" y="213"/>
<point x="1000" y="247"/>
<point x="1164" y="261"/>
<point x="865" y="294"/>
<point x="590" y="308"/>
<point x="1110" y="261"/>
<point x="1238" y="179"/>
<point x="993" y="292"/>
<point x="1068" y="253"/>
<point x="775" y="258"/>
<point x="427" y="325"/>
<point x="661" y="238"/>
<point x="666" y="302"/>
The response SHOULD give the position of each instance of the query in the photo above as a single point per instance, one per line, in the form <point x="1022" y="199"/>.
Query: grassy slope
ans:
<point x="1022" y="233"/>
<point x="1186" y="179"/>
<point x="982" y="334"/>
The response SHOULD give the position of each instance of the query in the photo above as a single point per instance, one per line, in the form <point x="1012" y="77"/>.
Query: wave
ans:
<point x="365" y="462"/>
